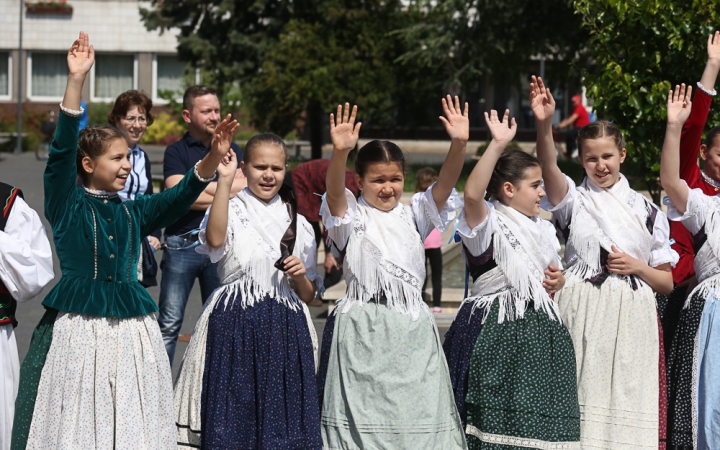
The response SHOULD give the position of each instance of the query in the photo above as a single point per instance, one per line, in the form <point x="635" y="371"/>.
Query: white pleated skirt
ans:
<point x="106" y="384"/>
<point x="9" y="380"/>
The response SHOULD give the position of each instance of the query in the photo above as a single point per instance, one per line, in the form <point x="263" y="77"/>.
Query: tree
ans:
<point x="641" y="48"/>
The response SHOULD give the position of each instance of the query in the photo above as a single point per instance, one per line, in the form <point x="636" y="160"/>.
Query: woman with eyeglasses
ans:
<point x="131" y="115"/>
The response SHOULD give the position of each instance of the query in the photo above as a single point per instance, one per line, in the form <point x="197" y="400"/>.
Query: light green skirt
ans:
<point x="388" y="384"/>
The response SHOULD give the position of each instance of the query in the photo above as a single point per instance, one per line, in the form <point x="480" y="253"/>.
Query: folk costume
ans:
<point x="383" y="378"/>
<point x="613" y="319"/>
<point x="511" y="358"/>
<point x="97" y="374"/>
<point x="248" y="376"/>
<point x="702" y="219"/>
<point x="26" y="266"/>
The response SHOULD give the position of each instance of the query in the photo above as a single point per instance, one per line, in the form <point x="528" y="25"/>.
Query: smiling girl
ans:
<point x="383" y="378"/>
<point x="617" y="253"/>
<point x="248" y="377"/>
<point x="511" y="358"/>
<point x="97" y="374"/>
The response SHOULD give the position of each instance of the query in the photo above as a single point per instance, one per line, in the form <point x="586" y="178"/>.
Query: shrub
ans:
<point x="164" y="131"/>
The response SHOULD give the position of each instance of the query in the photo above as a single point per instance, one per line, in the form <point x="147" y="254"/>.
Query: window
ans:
<point x="5" y="68"/>
<point x="168" y="74"/>
<point x="47" y="75"/>
<point x="113" y="75"/>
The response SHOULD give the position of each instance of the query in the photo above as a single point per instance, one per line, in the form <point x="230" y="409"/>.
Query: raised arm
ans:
<point x="457" y="126"/>
<point x="344" y="133"/>
<point x="477" y="183"/>
<point x="216" y="230"/>
<point x="678" y="110"/>
<point x="542" y="104"/>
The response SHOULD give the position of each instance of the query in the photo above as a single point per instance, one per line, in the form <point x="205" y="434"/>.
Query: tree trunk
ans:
<point x="315" y="114"/>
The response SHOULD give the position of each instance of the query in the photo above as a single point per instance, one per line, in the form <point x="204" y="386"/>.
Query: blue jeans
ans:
<point x="180" y="265"/>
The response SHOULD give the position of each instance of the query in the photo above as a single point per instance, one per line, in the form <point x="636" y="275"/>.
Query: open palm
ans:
<point x="679" y="104"/>
<point x="542" y="102"/>
<point x="343" y="130"/>
<point x="222" y="138"/>
<point x="499" y="129"/>
<point x="81" y="55"/>
<point x="714" y="46"/>
<point x="456" y="121"/>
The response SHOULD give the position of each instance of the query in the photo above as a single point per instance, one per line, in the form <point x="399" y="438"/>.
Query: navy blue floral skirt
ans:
<point x="259" y="386"/>
<point x="458" y="346"/>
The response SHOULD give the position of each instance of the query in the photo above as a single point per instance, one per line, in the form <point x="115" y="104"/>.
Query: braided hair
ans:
<point x="93" y="142"/>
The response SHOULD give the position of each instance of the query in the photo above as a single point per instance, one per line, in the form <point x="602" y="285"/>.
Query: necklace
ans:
<point x="710" y="181"/>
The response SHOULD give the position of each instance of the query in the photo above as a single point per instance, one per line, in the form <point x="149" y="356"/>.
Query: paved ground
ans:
<point x="25" y="172"/>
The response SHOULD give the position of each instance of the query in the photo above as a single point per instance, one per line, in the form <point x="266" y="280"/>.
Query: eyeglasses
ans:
<point x="130" y="120"/>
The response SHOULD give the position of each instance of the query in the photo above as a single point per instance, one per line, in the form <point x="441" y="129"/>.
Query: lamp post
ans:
<point x="18" y="146"/>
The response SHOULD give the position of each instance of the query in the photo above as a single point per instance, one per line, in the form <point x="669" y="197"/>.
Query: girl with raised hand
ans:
<point x="383" y="378"/>
<point x="617" y="254"/>
<point x="97" y="374"/>
<point x="248" y="376"/>
<point x="700" y="214"/>
<point x="511" y="358"/>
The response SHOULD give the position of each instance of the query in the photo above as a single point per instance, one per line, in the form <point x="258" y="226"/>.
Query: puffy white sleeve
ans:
<point x="478" y="239"/>
<point x="427" y="216"/>
<point x="26" y="264"/>
<point x="215" y="254"/>
<point x="661" y="252"/>
<point x="340" y="228"/>
<point x="308" y="254"/>
<point x="562" y="212"/>
<point x="695" y="210"/>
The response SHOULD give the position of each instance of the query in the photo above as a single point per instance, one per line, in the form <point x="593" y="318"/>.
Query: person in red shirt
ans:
<point x="578" y="119"/>
<point x="680" y="324"/>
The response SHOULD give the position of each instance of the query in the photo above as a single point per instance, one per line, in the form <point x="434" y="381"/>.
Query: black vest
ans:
<point x="8" y="304"/>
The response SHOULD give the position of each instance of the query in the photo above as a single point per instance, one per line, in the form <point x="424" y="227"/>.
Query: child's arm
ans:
<point x="300" y="283"/>
<point x="542" y="104"/>
<point x="80" y="59"/>
<point x="475" y="207"/>
<point x="216" y="229"/>
<point x="678" y="110"/>
<point x="658" y="278"/>
<point x="457" y="126"/>
<point x="344" y="133"/>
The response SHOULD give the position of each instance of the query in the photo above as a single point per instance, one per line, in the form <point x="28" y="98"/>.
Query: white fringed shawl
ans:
<point x="602" y="218"/>
<point x="522" y="250"/>
<point x="707" y="260"/>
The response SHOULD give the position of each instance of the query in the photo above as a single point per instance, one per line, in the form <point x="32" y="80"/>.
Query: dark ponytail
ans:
<point x="510" y="168"/>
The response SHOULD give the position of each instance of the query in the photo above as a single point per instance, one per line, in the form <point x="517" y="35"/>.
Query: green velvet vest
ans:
<point x="97" y="236"/>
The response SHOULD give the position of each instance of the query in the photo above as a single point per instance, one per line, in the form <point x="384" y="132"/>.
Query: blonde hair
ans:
<point x="93" y="143"/>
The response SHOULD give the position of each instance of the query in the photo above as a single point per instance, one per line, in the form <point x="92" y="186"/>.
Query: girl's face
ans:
<point x="382" y="185"/>
<point x="133" y="125"/>
<point x="265" y="171"/>
<point x="601" y="160"/>
<point x="525" y="196"/>
<point x="109" y="171"/>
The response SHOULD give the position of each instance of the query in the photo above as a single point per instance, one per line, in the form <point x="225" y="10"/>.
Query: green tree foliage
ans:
<point x="641" y="48"/>
<point x="478" y="37"/>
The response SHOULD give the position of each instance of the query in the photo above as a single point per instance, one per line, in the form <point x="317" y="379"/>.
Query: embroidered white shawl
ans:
<point x="602" y="218"/>
<point x="385" y="256"/>
<point x="523" y="250"/>
<point x="707" y="260"/>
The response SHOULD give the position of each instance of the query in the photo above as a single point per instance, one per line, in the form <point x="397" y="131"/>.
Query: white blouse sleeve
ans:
<point x="26" y="264"/>
<point x="215" y="254"/>
<point x="340" y="228"/>
<point x="661" y="252"/>
<point x="427" y="216"/>
<point x="478" y="239"/>
<point x="695" y="210"/>
<point x="308" y="254"/>
<point x="562" y="212"/>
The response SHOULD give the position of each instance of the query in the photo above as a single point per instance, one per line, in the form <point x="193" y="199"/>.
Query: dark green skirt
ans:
<point x="522" y="386"/>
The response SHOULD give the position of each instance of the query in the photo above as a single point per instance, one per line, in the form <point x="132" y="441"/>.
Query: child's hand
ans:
<point x="499" y="130"/>
<point x="679" y="105"/>
<point x="542" y="102"/>
<point x="81" y="56"/>
<point x="456" y="121"/>
<point x="227" y="169"/>
<point x="294" y="267"/>
<point x="222" y="138"/>
<point x="554" y="279"/>
<point x="343" y="130"/>
<point x="714" y="47"/>
<point x="622" y="263"/>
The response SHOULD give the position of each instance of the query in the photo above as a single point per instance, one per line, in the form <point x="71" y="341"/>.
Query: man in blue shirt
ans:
<point x="181" y="264"/>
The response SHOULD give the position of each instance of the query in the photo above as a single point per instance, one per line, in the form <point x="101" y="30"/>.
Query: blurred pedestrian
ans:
<point x="84" y="118"/>
<point x="47" y="129"/>
<point x="578" y="119"/>
<point x="433" y="243"/>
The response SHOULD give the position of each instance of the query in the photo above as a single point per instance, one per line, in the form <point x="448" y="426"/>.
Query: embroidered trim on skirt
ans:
<point x="387" y="384"/>
<point x="106" y="384"/>
<point x="522" y="389"/>
<point x="615" y="334"/>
